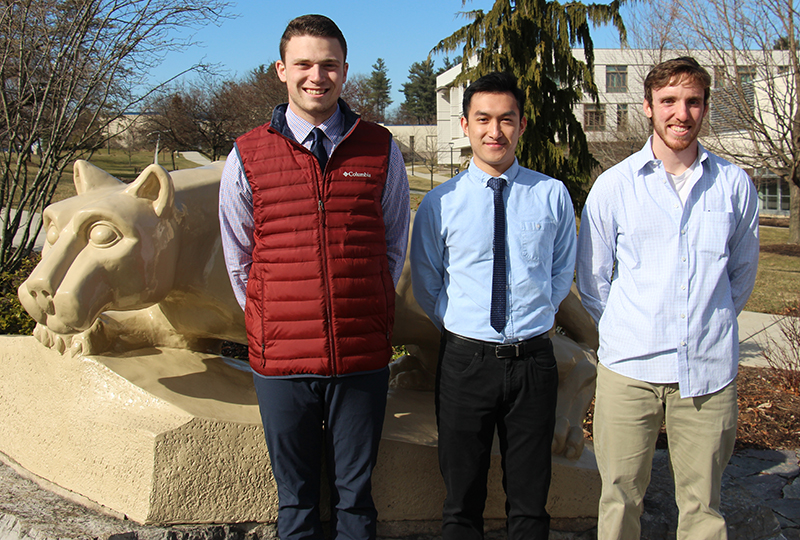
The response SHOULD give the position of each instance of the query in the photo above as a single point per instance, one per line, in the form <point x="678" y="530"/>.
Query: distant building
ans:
<point x="419" y="140"/>
<point x="616" y="122"/>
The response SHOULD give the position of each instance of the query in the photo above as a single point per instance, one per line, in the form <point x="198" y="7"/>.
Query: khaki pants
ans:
<point x="701" y="432"/>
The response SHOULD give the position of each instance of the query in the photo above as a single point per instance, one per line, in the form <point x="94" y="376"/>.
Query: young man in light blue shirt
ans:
<point x="492" y="257"/>
<point x="667" y="258"/>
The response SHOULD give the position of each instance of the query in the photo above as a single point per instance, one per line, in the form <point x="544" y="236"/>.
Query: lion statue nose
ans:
<point x="36" y="295"/>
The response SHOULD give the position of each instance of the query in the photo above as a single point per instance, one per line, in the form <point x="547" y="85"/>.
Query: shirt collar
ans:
<point x="645" y="156"/>
<point x="301" y="128"/>
<point x="479" y="175"/>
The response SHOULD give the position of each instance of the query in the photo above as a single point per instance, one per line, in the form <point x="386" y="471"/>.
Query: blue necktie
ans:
<point x="497" y="314"/>
<point x="318" y="148"/>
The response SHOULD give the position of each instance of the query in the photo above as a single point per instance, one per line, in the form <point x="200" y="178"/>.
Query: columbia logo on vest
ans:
<point x="347" y="174"/>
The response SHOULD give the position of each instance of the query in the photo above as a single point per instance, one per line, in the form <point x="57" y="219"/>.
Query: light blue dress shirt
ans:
<point x="665" y="281"/>
<point x="451" y="253"/>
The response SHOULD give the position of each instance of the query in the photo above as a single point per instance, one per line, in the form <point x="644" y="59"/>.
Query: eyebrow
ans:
<point x="330" y="60"/>
<point x="510" y="112"/>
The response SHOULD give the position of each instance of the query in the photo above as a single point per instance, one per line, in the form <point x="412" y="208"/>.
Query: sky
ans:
<point x="400" y="32"/>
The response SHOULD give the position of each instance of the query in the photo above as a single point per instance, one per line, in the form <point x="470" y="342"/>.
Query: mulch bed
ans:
<point x="769" y="414"/>
<point x="771" y="221"/>
<point x="790" y="250"/>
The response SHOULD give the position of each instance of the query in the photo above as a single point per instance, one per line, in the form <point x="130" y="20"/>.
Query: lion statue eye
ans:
<point x="104" y="235"/>
<point x="52" y="234"/>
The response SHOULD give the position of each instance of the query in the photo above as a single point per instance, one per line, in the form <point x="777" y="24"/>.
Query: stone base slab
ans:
<point x="172" y="436"/>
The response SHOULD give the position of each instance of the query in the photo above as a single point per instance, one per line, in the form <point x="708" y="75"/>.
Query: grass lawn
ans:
<point x="121" y="165"/>
<point x="778" y="280"/>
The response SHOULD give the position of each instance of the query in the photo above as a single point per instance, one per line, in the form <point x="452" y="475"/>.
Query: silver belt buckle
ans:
<point x="504" y="351"/>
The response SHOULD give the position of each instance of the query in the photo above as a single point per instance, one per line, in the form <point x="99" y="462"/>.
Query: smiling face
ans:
<point x="677" y="112"/>
<point x="314" y="71"/>
<point x="494" y="125"/>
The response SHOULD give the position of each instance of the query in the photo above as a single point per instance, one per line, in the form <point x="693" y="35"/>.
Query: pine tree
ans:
<point x="380" y="86"/>
<point x="420" y="92"/>
<point x="533" y="40"/>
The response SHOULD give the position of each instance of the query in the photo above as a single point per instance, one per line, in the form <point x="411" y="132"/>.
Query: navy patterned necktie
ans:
<point x="497" y="314"/>
<point x="318" y="148"/>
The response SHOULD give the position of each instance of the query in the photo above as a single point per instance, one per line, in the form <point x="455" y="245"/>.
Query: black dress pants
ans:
<point x="475" y="392"/>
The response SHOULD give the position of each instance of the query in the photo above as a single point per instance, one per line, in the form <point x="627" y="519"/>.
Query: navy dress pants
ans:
<point x="343" y="415"/>
<point x="475" y="392"/>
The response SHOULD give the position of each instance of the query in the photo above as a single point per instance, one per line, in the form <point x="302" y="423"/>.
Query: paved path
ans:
<point x="196" y="157"/>
<point x="37" y="218"/>
<point x="421" y="172"/>
<point x="756" y="330"/>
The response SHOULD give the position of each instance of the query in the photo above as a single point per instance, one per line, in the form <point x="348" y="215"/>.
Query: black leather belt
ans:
<point x="504" y="350"/>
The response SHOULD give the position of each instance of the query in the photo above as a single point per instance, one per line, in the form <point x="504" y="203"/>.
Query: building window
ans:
<point x="616" y="79"/>
<point x="720" y="77"/>
<point x="774" y="195"/>
<point x="745" y="74"/>
<point x="594" y="117"/>
<point x="622" y="117"/>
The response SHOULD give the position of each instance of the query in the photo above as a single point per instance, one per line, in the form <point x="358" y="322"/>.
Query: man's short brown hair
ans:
<point x="673" y="72"/>
<point x="312" y="25"/>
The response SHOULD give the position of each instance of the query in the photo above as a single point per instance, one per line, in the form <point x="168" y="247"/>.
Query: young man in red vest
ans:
<point x="314" y="212"/>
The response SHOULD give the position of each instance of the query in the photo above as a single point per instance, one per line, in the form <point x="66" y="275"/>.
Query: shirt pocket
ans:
<point x="715" y="230"/>
<point x="537" y="238"/>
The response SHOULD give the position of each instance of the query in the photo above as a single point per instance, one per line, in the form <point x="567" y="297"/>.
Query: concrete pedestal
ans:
<point x="171" y="436"/>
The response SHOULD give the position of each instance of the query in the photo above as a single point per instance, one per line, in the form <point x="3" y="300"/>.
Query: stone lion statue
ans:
<point x="131" y="266"/>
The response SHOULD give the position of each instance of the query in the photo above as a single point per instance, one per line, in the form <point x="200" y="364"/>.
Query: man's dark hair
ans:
<point x="673" y="72"/>
<point x="312" y="25"/>
<point x="494" y="83"/>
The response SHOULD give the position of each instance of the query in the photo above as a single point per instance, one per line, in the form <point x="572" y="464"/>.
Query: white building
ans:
<point x="617" y="116"/>
<point x="418" y="141"/>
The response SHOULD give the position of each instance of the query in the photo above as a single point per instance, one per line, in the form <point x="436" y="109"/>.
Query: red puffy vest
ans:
<point x="320" y="298"/>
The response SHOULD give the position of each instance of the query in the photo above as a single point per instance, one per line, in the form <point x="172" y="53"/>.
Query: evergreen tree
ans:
<point x="533" y="40"/>
<point x="379" y="87"/>
<point x="420" y="92"/>
<point x="449" y="64"/>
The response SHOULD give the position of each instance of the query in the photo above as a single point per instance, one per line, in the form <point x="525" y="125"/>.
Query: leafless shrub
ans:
<point x="784" y="355"/>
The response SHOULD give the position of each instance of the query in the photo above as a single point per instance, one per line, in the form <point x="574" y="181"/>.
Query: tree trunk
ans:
<point x="794" y="213"/>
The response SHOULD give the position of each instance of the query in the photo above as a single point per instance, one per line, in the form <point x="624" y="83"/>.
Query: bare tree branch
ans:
<point x="68" y="69"/>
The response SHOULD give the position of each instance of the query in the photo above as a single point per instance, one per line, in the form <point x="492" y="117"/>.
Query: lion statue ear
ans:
<point x="154" y="184"/>
<point x="88" y="177"/>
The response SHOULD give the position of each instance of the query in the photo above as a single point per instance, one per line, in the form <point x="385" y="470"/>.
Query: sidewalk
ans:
<point x="17" y="240"/>
<point x="196" y="157"/>
<point x="420" y="171"/>
<point x="754" y="331"/>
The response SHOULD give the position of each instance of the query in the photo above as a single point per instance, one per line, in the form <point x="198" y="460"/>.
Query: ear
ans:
<point x="88" y="177"/>
<point x="464" y="125"/>
<point x="280" y="69"/>
<point x="154" y="184"/>
<point x="648" y="110"/>
<point x="523" y="123"/>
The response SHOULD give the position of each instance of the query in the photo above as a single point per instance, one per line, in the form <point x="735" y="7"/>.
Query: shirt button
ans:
<point x="683" y="344"/>
<point x="683" y="231"/>
<point x="676" y="205"/>
<point x="683" y="315"/>
<point x="683" y="287"/>
<point x="683" y="259"/>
